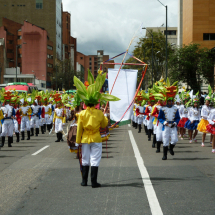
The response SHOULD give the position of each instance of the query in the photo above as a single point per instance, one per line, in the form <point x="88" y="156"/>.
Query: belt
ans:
<point x="170" y="122"/>
<point x="59" y="117"/>
<point x="90" y="131"/>
<point x="47" y="113"/>
<point x="24" y="114"/>
<point x="8" y="117"/>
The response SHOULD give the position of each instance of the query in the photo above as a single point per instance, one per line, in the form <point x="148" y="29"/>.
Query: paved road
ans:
<point x="48" y="183"/>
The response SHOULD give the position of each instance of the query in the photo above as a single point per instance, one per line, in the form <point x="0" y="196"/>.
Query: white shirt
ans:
<point x="211" y="117"/>
<point x="194" y="114"/>
<point x="205" y="112"/>
<point x="183" y="111"/>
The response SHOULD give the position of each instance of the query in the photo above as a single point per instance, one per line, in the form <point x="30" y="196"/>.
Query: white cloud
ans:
<point x="110" y="24"/>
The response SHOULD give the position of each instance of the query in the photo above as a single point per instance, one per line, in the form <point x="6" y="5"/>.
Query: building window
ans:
<point x="43" y="85"/>
<point x="12" y="5"/>
<point x="19" y="56"/>
<point x="50" y="65"/>
<point x="90" y="68"/>
<point x="49" y="47"/>
<point x="90" y="58"/>
<point x="209" y="36"/>
<point x="90" y="63"/>
<point x="19" y="37"/>
<point x="39" y="4"/>
<point x="170" y="32"/>
<point x="50" y="56"/>
<point x="81" y="58"/>
<point x="10" y="51"/>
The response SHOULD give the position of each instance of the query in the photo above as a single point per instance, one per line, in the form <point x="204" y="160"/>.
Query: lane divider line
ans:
<point x="37" y="152"/>
<point x="150" y="192"/>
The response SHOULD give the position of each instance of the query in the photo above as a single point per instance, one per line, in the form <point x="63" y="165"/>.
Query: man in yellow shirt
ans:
<point x="89" y="123"/>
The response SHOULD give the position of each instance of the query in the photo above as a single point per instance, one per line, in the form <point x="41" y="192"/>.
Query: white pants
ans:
<point x="159" y="132"/>
<point x="7" y="128"/>
<point x="139" y="120"/>
<point x="170" y="133"/>
<point x="150" y="123"/>
<point x="145" y="121"/>
<point x="25" y="123"/>
<point x="58" y="125"/>
<point x="91" y="154"/>
<point x="155" y="128"/>
<point x="16" y="127"/>
<point x="41" y="122"/>
<point x="48" y="119"/>
<point x="35" y="122"/>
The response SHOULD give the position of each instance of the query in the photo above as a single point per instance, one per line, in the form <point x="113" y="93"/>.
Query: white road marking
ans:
<point x="37" y="152"/>
<point x="150" y="192"/>
<point x="129" y="125"/>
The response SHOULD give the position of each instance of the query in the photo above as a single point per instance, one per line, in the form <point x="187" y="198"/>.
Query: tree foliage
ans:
<point x="143" y="51"/>
<point x="63" y="74"/>
<point x="192" y="64"/>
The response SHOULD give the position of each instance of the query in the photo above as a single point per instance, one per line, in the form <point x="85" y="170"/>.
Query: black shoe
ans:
<point x="158" y="147"/>
<point x="32" y="131"/>
<point x="85" y="171"/>
<point x="154" y="141"/>
<point x="171" y="149"/>
<point x="94" y="174"/>
<point x="165" y="149"/>
<point x="28" y="132"/>
<point x="17" y="137"/>
<point x="58" y="140"/>
<point x="42" y="131"/>
<point x="149" y="134"/>
<point x="135" y="125"/>
<point x="3" y="141"/>
<point x="37" y="131"/>
<point x="9" y="141"/>
<point x="139" y="128"/>
<point x="23" y="135"/>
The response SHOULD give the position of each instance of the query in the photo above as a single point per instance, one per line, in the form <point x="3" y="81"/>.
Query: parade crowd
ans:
<point x="168" y="115"/>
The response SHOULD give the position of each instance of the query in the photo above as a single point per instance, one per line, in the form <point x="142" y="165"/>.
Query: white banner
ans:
<point x="124" y="88"/>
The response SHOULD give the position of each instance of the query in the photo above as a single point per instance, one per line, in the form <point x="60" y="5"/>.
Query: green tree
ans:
<point x="143" y="51"/>
<point x="63" y="74"/>
<point x="191" y="64"/>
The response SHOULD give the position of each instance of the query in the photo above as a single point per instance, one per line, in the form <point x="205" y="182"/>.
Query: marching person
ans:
<point x="17" y="118"/>
<point x="193" y="120"/>
<point x="59" y="118"/>
<point x="48" y="115"/>
<point x="25" y="112"/>
<point x="7" y="114"/>
<point x="89" y="123"/>
<point x="35" y="118"/>
<point x="169" y="117"/>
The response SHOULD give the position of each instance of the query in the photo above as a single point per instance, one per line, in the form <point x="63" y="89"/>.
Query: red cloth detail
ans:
<point x="43" y="112"/>
<point x="147" y="112"/>
<point x="18" y="117"/>
<point x="155" y="112"/>
<point x="137" y="112"/>
<point x="182" y="122"/>
<point x="211" y="129"/>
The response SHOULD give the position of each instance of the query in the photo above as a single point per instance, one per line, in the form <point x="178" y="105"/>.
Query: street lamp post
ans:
<point x="152" y="51"/>
<point x="166" y="37"/>
<point x="17" y="46"/>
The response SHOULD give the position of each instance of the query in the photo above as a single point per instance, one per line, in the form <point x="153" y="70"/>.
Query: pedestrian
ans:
<point x="169" y="117"/>
<point x="193" y="120"/>
<point x="204" y="114"/>
<point x="89" y="123"/>
<point x="7" y="114"/>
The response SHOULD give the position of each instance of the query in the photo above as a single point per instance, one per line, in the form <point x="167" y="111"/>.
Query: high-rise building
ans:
<point x="44" y="13"/>
<point x="93" y="62"/>
<point x="172" y="33"/>
<point x="28" y="46"/>
<point x="199" y="22"/>
<point x="69" y="42"/>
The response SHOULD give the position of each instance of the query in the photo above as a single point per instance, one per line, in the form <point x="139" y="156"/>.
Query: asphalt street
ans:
<point x="49" y="182"/>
